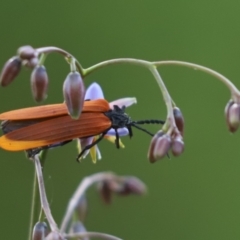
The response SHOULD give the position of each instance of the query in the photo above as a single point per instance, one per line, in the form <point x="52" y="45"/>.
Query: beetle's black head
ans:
<point x="118" y="117"/>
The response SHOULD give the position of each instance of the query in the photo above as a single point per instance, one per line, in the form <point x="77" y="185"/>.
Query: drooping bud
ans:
<point x="10" y="70"/>
<point x="26" y="52"/>
<point x="81" y="208"/>
<point x="74" y="92"/>
<point x="233" y="117"/>
<point x="179" y="120"/>
<point x="39" y="83"/>
<point x="105" y="191"/>
<point x="177" y="145"/>
<point x="232" y="114"/>
<point x="159" y="146"/>
<point x="152" y="145"/>
<point x="39" y="231"/>
<point x="132" y="185"/>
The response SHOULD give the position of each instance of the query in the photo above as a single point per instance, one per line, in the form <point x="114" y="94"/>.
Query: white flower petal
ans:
<point x="94" y="91"/>
<point x="121" y="132"/>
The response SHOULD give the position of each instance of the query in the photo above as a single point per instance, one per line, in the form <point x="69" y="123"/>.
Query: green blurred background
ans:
<point x="195" y="196"/>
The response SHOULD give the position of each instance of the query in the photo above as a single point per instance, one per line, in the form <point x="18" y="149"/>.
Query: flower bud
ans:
<point x="39" y="83"/>
<point x="179" y="119"/>
<point x="152" y="145"/>
<point x="105" y="191"/>
<point x="26" y="52"/>
<point x="39" y="231"/>
<point x="159" y="146"/>
<point x="177" y="146"/>
<point x="132" y="185"/>
<point x="232" y="114"/>
<point x="10" y="70"/>
<point x="74" y="92"/>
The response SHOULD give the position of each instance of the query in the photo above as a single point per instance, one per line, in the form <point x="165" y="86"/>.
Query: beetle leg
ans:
<point x="117" y="139"/>
<point x="130" y="133"/>
<point x="32" y="152"/>
<point x="91" y="145"/>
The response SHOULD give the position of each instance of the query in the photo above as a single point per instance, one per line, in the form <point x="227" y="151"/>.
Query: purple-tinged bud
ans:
<point x="81" y="208"/>
<point x="152" y="145"/>
<point x="26" y="52"/>
<point x="39" y="83"/>
<point x="162" y="146"/>
<point x="31" y="63"/>
<point x="159" y="146"/>
<point x="232" y="114"/>
<point x="179" y="120"/>
<point x="10" y="71"/>
<point x="132" y="185"/>
<point x="39" y="231"/>
<point x="105" y="191"/>
<point x="74" y="92"/>
<point x="177" y="145"/>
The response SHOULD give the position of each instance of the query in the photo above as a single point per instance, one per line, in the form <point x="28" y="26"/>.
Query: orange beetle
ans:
<point x="36" y="128"/>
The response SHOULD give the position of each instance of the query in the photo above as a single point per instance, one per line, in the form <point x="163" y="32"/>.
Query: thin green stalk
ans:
<point x="234" y="91"/>
<point x="66" y="54"/>
<point x="35" y="206"/>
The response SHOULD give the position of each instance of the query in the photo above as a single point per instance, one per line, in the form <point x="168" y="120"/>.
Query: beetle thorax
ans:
<point x="118" y="117"/>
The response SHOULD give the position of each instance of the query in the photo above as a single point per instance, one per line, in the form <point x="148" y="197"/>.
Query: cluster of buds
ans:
<point x="73" y="87"/>
<point x="232" y="115"/>
<point x="172" y="140"/>
<point x="125" y="187"/>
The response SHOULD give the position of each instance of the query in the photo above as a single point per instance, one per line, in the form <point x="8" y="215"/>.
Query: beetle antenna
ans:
<point x="142" y="129"/>
<point x="91" y="145"/>
<point x="151" y="121"/>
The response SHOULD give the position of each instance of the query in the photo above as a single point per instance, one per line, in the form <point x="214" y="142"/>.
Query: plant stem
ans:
<point x="81" y="189"/>
<point x="66" y="54"/>
<point x="134" y="61"/>
<point x="34" y="206"/>
<point x="43" y="196"/>
<point x="166" y="97"/>
<point x="234" y="91"/>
